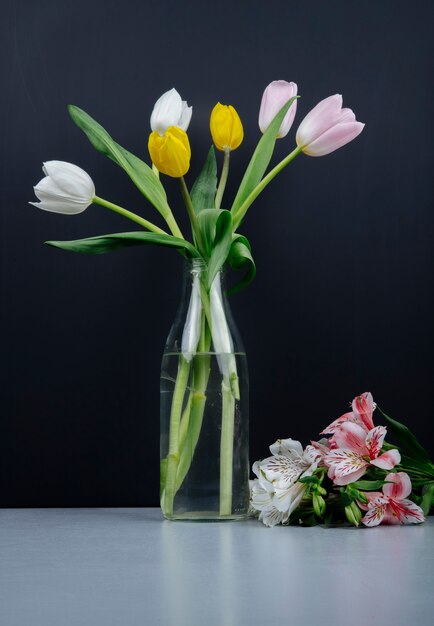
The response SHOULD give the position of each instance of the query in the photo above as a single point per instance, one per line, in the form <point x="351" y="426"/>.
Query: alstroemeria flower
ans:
<point x="356" y="450"/>
<point x="170" y="110"/>
<point x="226" y="127"/>
<point x="274" y="97"/>
<point x="65" y="189"/>
<point x="275" y="493"/>
<point x="392" y="506"/>
<point x="327" y="127"/>
<point x="363" y="407"/>
<point x="171" y="152"/>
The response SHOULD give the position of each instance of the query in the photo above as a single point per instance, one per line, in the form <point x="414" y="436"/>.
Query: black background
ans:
<point x="343" y="300"/>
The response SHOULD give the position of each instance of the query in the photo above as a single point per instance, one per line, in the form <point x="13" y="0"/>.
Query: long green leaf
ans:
<point x="240" y="256"/>
<point x="205" y="186"/>
<point x="207" y="220"/>
<point x="369" y="485"/>
<point x="221" y="246"/>
<point x="261" y="157"/>
<point x="116" y="241"/>
<point x="139" y="172"/>
<point x="427" y="498"/>
<point x="406" y="438"/>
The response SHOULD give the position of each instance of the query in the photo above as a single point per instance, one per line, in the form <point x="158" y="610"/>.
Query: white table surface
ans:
<point x="129" y="567"/>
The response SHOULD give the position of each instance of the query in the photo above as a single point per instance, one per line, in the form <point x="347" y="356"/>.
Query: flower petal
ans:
<point x="334" y="138"/>
<point x="388" y="460"/>
<point x="287" y="500"/>
<point x="363" y="406"/>
<point x="346" y="466"/>
<point x="282" y="470"/>
<point x="260" y="499"/>
<point x="167" y="111"/>
<point x="374" y="440"/>
<point x="73" y="181"/>
<point x="184" y="120"/>
<point x="351" y="436"/>
<point x="287" y="447"/>
<point x="323" y="116"/>
<point x="376" y="513"/>
<point x="271" y="516"/>
<point x="407" y="511"/>
<point x="398" y="486"/>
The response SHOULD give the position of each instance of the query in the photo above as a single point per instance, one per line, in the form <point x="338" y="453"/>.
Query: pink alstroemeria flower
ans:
<point x="355" y="451"/>
<point x="392" y="506"/>
<point x="363" y="407"/>
<point x="327" y="127"/>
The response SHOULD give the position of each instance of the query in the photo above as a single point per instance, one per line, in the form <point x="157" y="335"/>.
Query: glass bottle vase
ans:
<point x="204" y="466"/>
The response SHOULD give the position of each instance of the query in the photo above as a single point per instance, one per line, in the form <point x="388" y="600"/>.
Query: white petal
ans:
<point x="287" y="500"/>
<point x="184" y="120"/>
<point x="167" y="111"/>
<point x="260" y="498"/>
<point x="57" y="205"/>
<point x="71" y="179"/>
<point x="287" y="447"/>
<point x="271" y="516"/>
<point x="281" y="470"/>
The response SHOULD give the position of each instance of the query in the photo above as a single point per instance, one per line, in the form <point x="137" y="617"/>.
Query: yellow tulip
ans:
<point x="226" y="127"/>
<point x="171" y="152"/>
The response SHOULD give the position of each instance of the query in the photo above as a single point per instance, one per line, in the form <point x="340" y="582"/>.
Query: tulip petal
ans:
<point x="274" y="97"/>
<point x="167" y="111"/>
<point x="352" y="437"/>
<point x="323" y="116"/>
<point x="388" y="460"/>
<point x="334" y="138"/>
<point x="398" y="486"/>
<point x="73" y="181"/>
<point x="185" y="118"/>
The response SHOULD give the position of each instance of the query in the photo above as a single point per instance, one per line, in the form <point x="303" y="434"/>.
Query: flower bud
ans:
<point x="327" y="127"/>
<point x="170" y="110"/>
<point x="226" y="127"/>
<point x="170" y="153"/>
<point x="65" y="189"/>
<point x="319" y="505"/>
<point x="353" y="514"/>
<point x="274" y="97"/>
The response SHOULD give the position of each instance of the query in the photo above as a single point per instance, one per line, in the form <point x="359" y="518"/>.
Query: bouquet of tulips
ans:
<point x="215" y="238"/>
<point x="353" y="475"/>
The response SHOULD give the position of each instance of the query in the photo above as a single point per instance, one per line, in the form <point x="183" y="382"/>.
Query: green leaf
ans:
<point x="139" y="172"/>
<point x="406" y="438"/>
<point x="207" y="220"/>
<point x="221" y="245"/>
<point x="239" y="257"/>
<point x="369" y="485"/>
<point x="205" y="187"/>
<point x="309" y="479"/>
<point x="261" y="157"/>
<point x="427" y="498"/>
<point x="116" y="241"/>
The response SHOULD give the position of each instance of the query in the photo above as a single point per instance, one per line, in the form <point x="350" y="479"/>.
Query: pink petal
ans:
<point x="346" y="417"/>
<point x="334" y="138"/>
<point x="388" y="460"/>
<point x="364" y="407"/>
<point x="370" y="496"/>
<point x="352" y="437"/>
<point x="398" y="487"/>
<point x="407" y="511"/>
<point x="346" y="466"/>
<point x="376" y="512"/>
<point x="324" y="115"/>
<point x="374" y="440"/>
<point x="275" y="95"/>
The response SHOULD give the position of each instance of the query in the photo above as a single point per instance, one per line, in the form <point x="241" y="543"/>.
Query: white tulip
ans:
<point x="66" y="188"/>
<point x="170" y="110"/>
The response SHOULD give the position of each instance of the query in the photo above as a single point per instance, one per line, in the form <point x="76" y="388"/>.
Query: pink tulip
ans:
<point x="392" y="506"/>
<point x="274" y="97"/>
<point x="327" y="127"/>
<point x="355" y="451"/>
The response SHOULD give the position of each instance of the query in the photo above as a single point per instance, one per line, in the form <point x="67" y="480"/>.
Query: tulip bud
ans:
<point x="353" y="514"/>
<point x="226" y="127"/>
<point x="327" y="127"/>
<point x="274" y="97"/>
<point x="170" y="110"/>
<point x="170" y="153"/>
<point x="66" y="188"/>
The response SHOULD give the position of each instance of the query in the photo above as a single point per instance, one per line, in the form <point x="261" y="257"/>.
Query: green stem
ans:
<point x="223" y="179"/>
<point x="191" y="214"/>
<point x="240" y="213"/>
<point x="129" y="214"/>
<point x="175" y="418"/>
<point x="226" y="449"/>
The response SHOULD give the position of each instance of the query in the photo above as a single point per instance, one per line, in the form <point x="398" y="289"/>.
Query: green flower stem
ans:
<point x="175" y="418"/>
<point x="226" y="449"/>
<point x="240" y="213"/>
<point x="191" y="214"/>
<point x="223" y="179"/>
<point x="130" y="215"/>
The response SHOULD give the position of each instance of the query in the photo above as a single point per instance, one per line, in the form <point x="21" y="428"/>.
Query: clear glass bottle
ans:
<point x="204" y="468"/>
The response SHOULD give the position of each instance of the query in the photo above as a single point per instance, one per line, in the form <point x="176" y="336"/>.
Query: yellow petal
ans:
<point x="171" y="152"/>
<point x="226" y="127"/>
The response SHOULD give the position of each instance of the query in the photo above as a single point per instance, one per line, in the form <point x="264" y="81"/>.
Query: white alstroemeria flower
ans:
<point x="170" y="110"/>
<point x="221" y="336"/>
<point x="191" y="332"/>
<point x="66" y="188"/>
<point x="276" y="492"/>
